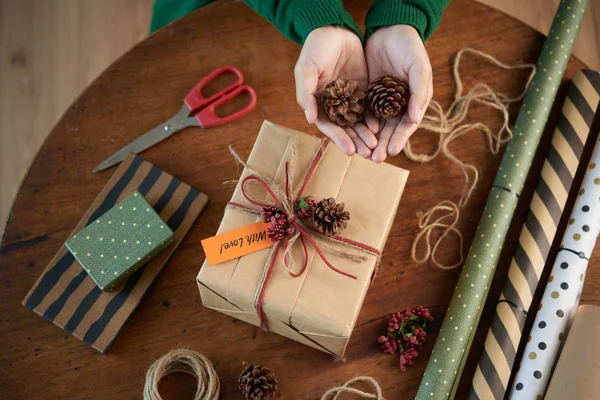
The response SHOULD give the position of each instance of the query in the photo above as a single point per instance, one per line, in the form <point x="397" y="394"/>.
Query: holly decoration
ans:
<point x="280" y="227"/>
<point x="406" y="334"/>
<point x="305" y="207"/>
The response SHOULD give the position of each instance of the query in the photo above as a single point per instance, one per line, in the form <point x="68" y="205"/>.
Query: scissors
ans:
<point x="197" y="111"/>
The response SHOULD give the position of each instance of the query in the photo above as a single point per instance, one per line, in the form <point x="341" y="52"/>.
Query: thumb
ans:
<point x="419" y="83"/>
<point x="307" y="78"/>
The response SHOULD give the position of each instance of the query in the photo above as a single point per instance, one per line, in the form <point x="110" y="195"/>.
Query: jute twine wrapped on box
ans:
<point x="315" y="297"/>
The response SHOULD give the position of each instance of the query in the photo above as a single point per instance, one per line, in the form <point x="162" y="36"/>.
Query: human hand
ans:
<point x="398" y="50"/>
<point x="329" y="53"/>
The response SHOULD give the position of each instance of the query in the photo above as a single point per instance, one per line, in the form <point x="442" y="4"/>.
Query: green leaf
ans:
<point x="409" y="335"/>
<point x="302" y="203"/>
<point x="413" y="317"/>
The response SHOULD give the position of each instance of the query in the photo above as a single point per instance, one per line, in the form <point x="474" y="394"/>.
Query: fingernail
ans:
<point x="307" y="113"/>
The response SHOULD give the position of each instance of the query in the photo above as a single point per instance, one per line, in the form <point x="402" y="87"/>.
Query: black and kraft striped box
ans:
<point x="65" y="294"/>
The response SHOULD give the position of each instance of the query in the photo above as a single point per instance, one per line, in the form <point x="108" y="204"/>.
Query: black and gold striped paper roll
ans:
<point x="498" y="355"/>
<point x="66" y="296"/>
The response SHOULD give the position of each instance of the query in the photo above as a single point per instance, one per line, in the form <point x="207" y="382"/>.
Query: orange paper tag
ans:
<point x="236" y="243"/>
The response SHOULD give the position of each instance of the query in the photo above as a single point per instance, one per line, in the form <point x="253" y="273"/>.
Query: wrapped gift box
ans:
<point x="320" y="307"/>
<point x="115" y="245"/>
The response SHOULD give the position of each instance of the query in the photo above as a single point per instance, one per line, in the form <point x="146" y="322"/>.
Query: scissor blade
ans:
<point x="147" y="140"/>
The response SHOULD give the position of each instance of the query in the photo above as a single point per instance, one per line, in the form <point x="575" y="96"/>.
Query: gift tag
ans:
<point x="236" y="243"/>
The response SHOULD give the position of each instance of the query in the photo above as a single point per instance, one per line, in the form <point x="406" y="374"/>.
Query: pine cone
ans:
<point x="330" y="218"/>
<point x="342" y="101"/>
<point x="388" y="96"/>
<point x="257" y="383"/>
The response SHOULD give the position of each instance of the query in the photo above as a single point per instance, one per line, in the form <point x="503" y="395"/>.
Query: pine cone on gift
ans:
<point x="342" y="101"/>
<point x="388" y="96"/>
<point x="330" y="218"/>
<point x="257" y="382"/>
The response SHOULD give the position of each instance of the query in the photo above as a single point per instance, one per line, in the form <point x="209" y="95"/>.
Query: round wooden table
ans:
<point x="146" y="86"/>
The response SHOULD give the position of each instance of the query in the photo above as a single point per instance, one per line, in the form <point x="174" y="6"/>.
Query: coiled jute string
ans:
<point x="450" y="125"/>
<point x="183" y="361"/>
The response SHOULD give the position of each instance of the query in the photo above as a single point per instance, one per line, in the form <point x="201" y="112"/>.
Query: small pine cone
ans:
<point x="342" y="101"/>
<point x="257" y="383"/>
<point x="388" y="96"/>
<point x="330" y="218"/>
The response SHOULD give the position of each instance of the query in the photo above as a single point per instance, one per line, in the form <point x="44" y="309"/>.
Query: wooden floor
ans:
<point x="51" y="49"/>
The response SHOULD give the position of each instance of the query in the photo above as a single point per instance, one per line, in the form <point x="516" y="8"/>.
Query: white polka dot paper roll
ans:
<point x="561" y="296"/>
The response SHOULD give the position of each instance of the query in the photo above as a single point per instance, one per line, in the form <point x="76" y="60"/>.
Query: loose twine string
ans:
<point x="191" y="362"/>
<point x="336" y="392"/>
<point x="450" y="126"/>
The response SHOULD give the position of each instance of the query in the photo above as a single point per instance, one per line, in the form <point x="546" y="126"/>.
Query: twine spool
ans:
<point x="183" y="361"/>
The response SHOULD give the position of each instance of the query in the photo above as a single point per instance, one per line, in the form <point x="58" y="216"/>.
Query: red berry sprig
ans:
<point x="305" y="207"/>
<point x="280" y="227"/>
<point x="268" y="212"/>
<point x="406" y="334"/>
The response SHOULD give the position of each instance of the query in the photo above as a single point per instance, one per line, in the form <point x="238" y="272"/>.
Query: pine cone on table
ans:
<point x="330" y="218"/>
<point x="257" y="383"/>
<point x="388" y="96"/>
<point x="342" y="101"/>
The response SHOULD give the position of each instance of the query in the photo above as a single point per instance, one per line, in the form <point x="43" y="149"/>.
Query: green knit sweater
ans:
<point x="297" y="18"/>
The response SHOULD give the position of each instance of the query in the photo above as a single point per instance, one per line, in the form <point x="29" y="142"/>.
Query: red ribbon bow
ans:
<point x="294" y="223"/>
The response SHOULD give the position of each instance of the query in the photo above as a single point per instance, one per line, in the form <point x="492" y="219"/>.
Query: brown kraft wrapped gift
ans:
<point x="319" y="307"/>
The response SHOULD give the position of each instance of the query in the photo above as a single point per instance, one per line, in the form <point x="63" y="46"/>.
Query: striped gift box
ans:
<point x="66" y="296"/>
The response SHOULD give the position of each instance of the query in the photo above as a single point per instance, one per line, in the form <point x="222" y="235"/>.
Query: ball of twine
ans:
<point x="187" y="362"/>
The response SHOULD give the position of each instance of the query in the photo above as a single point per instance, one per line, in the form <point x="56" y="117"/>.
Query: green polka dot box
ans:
<point x="118" y="243"/>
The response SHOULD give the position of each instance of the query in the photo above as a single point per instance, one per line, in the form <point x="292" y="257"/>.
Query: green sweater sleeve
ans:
<point x="166" y="11"/>
<point x="294" y="18"/>
<point x="423" y="15"/>
<point x="297" y="18"/>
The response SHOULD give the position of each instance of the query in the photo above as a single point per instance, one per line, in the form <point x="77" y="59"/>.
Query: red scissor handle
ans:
<point x="207" y="117"/>
<point x="195" y="100"/>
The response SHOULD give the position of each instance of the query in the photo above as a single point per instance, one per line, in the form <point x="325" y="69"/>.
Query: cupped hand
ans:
<point x="398" y="50"/>
<point x="330" y="53"/>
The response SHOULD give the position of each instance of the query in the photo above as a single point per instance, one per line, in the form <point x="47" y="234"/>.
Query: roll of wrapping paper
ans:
<point x="498" y="355"/>
<point x="562" y="292"/>
<point x="578" y="370"/>
<point x="450" y="351"/>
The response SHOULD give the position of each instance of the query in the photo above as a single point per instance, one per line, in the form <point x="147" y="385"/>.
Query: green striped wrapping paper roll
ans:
<point x="450" y="351"/>
<point x="548" y="202"/>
